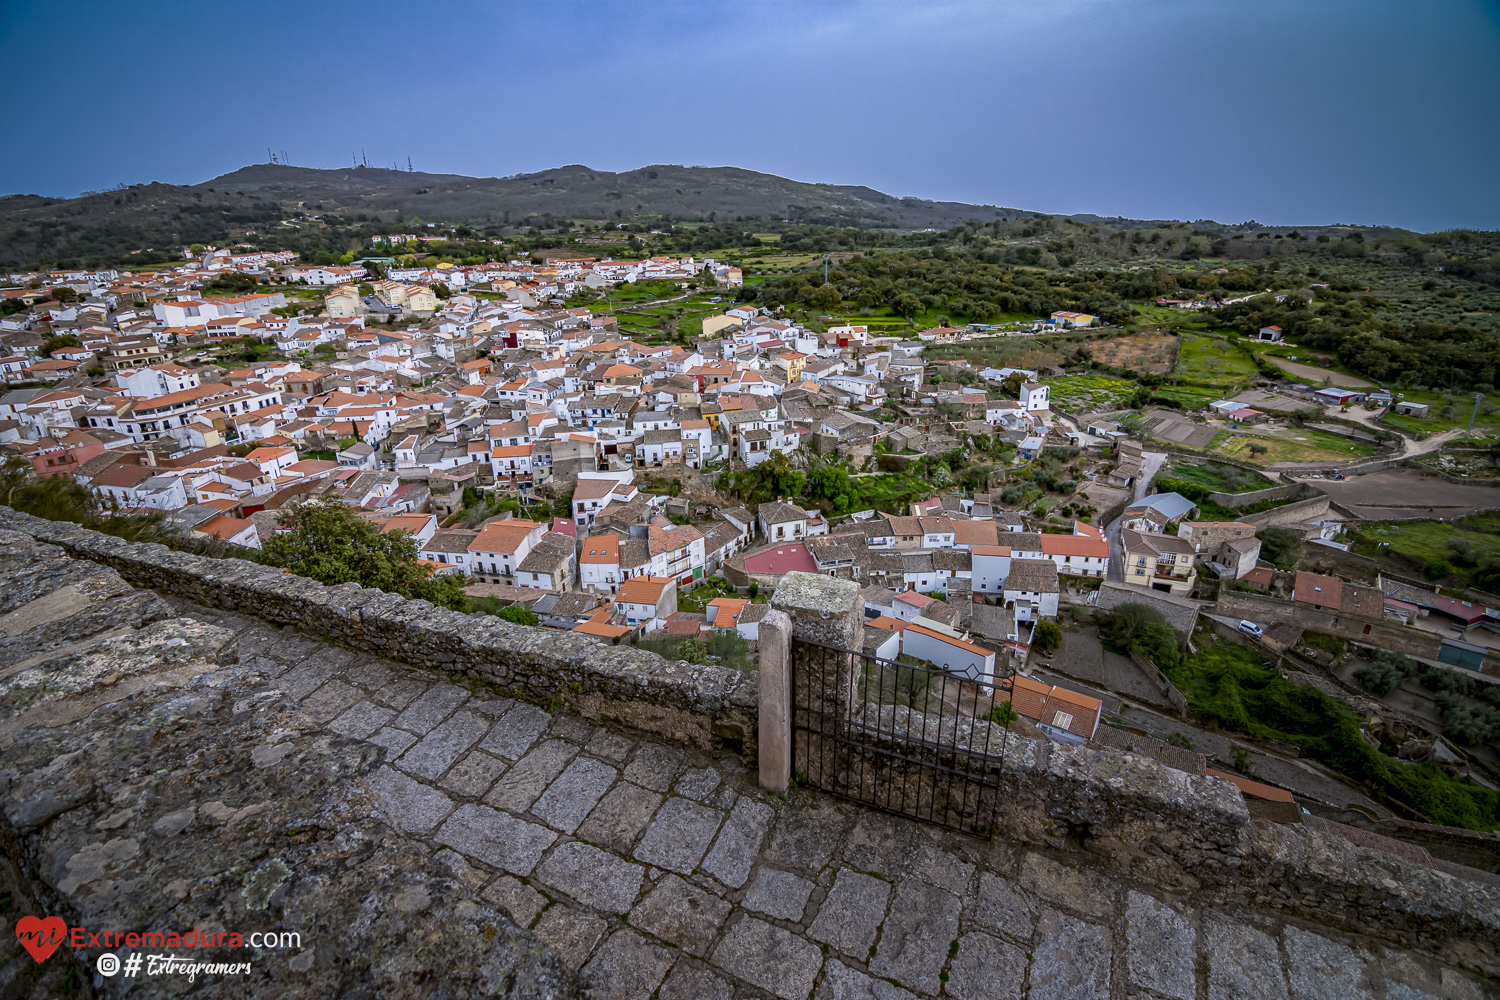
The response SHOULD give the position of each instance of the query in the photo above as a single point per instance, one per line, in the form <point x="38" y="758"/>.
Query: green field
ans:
<point x="1487" y="424"/>
<point x="1219" y="477"/>
<point x="1293" y="444"/>
<point x="1160" y="317"/>
<point x="1213" y="363"/>
<point x="1082" y="393"/>
<point x="1191" y="397"/>
<point x="1437" y="549"/>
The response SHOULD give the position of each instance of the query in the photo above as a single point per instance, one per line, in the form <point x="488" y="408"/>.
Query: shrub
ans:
<point x="519" y="615"/>
<point x="1139" y="628"/>
<point x="1386" y="672"/>
<point x="1232" y="687"/>
<point x="1003" y="714"/>
<point x="1046" y="637"/>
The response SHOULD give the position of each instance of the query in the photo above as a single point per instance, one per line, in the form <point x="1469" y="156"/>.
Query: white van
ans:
<point x="1250" y="628"/>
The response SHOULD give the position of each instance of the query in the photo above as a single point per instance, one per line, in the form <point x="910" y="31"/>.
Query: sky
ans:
<point x="1287" y="112"/>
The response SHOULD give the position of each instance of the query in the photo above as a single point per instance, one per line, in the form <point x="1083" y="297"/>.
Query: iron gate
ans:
<point x="905" y="739"/>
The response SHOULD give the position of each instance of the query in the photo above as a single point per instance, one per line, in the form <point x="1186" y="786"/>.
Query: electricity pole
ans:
<point x="1469" y="431"/>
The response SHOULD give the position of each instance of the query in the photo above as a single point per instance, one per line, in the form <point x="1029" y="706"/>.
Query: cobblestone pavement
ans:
<point x="657" y="872"/>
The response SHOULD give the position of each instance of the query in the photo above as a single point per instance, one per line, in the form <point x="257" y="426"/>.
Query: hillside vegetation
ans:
<point x="34" y="228"/>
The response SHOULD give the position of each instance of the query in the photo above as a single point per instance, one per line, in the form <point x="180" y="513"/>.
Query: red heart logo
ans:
<point x="41" y="937"/>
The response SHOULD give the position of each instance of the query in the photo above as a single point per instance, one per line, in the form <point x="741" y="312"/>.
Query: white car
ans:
<point x="1250" y="628"/>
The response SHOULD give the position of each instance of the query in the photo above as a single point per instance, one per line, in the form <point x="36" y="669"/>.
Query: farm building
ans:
<point x="1271" y="334"/>
<point x="1412" y="409"/>
<point x="1336" y="396"/>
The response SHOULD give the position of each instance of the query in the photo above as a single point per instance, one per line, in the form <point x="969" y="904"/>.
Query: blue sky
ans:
<point x="1283" y="111"/>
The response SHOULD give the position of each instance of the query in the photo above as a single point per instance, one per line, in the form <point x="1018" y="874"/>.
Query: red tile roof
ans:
<point x="781" y="559"/>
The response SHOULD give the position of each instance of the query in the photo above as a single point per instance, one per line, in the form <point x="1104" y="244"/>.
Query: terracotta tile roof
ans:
<point x="643" y="590"/>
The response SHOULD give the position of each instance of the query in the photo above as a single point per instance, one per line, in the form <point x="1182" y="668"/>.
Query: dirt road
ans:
<point x="1315" y="376"/>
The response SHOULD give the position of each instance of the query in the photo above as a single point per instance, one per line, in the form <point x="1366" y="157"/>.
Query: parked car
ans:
<point x="1250" y="628"/>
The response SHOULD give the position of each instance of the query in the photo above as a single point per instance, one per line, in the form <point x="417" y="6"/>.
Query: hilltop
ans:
<point x="659" y="191"/>
<point x="110" y="223"/>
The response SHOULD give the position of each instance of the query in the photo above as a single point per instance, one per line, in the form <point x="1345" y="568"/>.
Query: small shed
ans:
<point x="1412" y="409"/>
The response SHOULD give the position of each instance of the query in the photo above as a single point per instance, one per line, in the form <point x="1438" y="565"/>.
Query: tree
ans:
<point x="1139" y="628"/>
<point x="907" y="304"/>
<point x="233" y="283"/>
<point x="1046" y="637"/>
<point x="832" y="486"/>
<point x="57" y="343"/>
<point x="1281" y="547"/>
<point x="1386" y="671"/>
<point x="772" y="479"/>
<point x="824" y="297"/>
<point x="519" y="615"/>
<point x="63" y="293"/>
<point x="330" y="543"/>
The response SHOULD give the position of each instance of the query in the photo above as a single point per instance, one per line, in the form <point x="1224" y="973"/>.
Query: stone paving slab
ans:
<point x="656" y="871"/>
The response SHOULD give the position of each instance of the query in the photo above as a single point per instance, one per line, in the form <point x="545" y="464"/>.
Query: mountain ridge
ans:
<point x="110" y="226"/>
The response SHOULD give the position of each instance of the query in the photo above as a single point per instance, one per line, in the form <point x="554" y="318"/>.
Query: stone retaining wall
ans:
<point x="1295" y="513"/>
<point x="707" y="706"/>
<point x="1238" y="500"/>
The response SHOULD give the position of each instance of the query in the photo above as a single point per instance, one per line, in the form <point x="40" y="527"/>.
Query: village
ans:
<point x="635" y="489"/>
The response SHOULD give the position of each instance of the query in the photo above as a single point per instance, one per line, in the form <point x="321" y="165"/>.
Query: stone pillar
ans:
<point x="822" y="609"/>
<point x="774" y="749"/>
<point x="823" y="695"/>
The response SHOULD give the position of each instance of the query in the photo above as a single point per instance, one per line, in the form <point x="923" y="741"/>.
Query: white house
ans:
<point x="450" y="550"/>
<point x="156" y="380"/>
<point x="948" y="649"/>
<point x="1032" y="589"/>
<point x="991" y="568"/>
<point x="1034" y="396"/>
<point x="421" y="527"/>
<point x="500" y="547"/>
<point x="647" y="601"/>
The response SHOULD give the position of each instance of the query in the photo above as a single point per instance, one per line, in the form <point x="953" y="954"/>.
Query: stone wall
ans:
<point x="1178" y="831"/>
<point x="160" y="779"/>
<point x="1181" y="613"/>
<point x="1238" y="500"/>
<point x="1183" y="833"/>
<point x="704" y="706"/>
<point x="1471" y="848"/>
<point x="1155" y="676"/>
<point x="1295" y="513"/>
<point x="1262" y="608"/>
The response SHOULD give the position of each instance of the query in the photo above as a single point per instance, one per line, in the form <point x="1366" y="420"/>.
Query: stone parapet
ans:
<point x="704" y="706"/>
<point x="1182" y="833"/>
